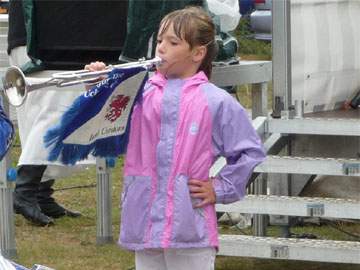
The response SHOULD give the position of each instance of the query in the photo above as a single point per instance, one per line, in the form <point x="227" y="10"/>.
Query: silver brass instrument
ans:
<point x="16" y="86"/>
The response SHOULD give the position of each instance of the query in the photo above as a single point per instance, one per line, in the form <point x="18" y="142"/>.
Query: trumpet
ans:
<point x="16" y="86"/>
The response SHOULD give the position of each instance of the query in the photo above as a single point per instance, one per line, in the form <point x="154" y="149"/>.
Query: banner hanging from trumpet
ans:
<point x="97" y="123"/>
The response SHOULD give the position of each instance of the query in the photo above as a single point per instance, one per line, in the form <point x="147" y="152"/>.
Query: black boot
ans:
<point x="25" y="194"/>
<point x="48" y="204"/>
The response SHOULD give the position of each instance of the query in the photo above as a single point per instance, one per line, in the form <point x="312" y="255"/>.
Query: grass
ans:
<point x="71" y="243"/>
<point x="251" y="49"/>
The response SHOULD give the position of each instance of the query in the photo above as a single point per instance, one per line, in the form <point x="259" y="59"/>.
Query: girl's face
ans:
<point x="179" y="61"/>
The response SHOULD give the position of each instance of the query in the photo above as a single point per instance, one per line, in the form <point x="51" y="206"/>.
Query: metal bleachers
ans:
<point x="289" y="248"/>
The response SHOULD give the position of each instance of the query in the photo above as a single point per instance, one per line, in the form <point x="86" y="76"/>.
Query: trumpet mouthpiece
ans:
<point x="157" y="60"/>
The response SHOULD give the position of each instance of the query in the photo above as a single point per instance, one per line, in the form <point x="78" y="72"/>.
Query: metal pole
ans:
<point x="279" y="184"/>
<point x="103" y="196"/>
<point x="7" y="227"/>
<point x="260" y="221"/>
<point x="281" y="51"/>
<point x="259" y="94"/>
<point x="259" y="108"/>
<point x="7" y="231"/>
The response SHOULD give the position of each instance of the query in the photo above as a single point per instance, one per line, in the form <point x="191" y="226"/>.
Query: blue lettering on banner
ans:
<point x="108" y="131"/>
<point x="95" y="90"/>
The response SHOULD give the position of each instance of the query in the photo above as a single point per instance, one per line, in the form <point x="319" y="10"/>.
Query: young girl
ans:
<point x="180" y="127"/>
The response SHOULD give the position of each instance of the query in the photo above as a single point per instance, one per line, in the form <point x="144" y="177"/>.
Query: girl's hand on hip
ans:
<point x="203" y="190"/>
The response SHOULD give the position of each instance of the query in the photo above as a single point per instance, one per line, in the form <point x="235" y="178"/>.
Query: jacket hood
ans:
<point x="160" y="80"/>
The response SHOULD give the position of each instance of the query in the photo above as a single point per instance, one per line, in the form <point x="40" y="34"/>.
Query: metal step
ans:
<point x="2" y="70"/>
<point x="290" y="249"/>
<point x="3" y="30"/>
<point x="4" y="63"/>
<point x="4" y="55"/>
<point x="3" y="38"/>
<point x="304" y="165"/>
<point x="3" y="42"/>
<point x="3" y="46"/>
<point x="4" y="20"/>
<point x="315" y="126"/>
<point x="243" y="73"/>
<point x="294" y="206"/>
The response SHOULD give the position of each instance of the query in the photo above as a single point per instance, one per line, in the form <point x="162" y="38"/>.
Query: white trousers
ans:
<point x="176" y="259"/>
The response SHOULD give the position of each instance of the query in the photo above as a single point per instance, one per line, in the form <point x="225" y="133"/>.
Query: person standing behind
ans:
<point x="143" y="19"/>
<point x="178" y="129"/>
<point x="32" y="196"/>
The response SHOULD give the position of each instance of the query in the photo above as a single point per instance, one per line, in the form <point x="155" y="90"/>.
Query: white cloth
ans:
<point x="325" y="52"/>
<point x="5" y="264"/>
<point x="40" y="111"/>
<point x="227" y="11"/>
<point x="176" y="259"/>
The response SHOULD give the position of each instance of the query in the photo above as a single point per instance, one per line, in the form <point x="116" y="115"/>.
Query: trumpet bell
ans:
<point x="15" y="86"/>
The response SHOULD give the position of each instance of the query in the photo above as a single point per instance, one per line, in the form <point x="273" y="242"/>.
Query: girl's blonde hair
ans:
<point x="194" y="25"/>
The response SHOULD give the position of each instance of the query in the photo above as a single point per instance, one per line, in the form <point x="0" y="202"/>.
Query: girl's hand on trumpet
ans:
<point x="95" y="66"/>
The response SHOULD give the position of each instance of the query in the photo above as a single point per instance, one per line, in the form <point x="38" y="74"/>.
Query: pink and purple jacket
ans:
<point x="177" y="132"/>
